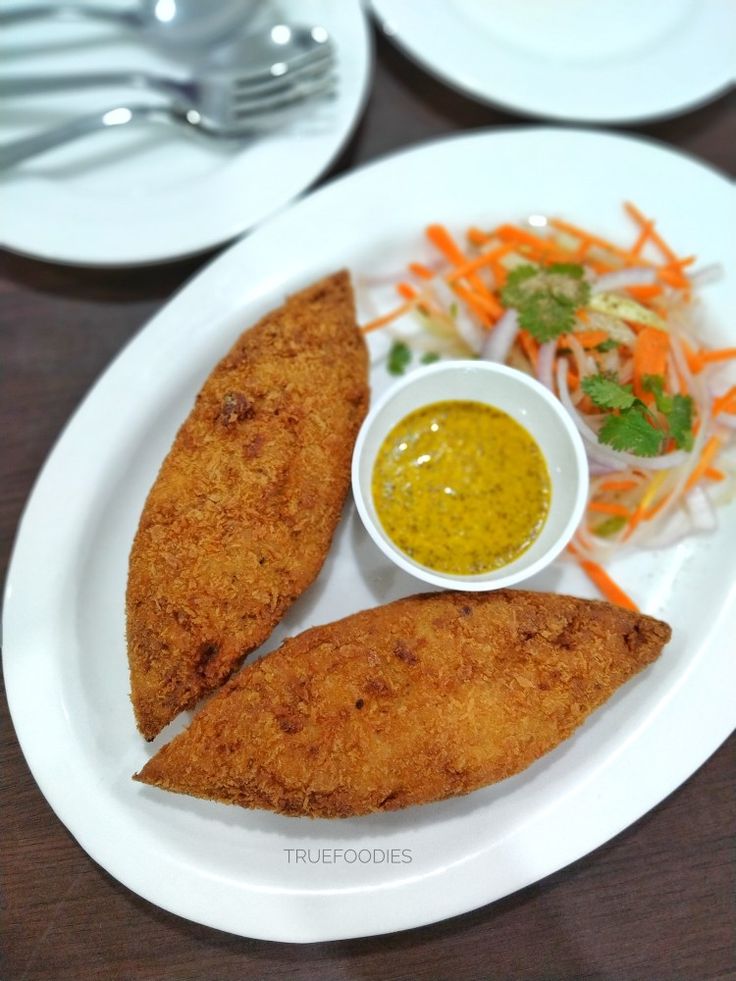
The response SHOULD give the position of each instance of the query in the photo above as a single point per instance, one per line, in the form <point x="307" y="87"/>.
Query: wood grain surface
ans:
<point x="656" y="903"/>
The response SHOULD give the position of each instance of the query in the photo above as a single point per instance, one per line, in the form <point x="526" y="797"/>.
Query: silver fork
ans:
<point x="221" y="77"/>
<point x="225" y="119"/>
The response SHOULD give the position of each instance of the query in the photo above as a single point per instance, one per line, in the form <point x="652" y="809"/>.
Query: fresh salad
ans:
<point x="615" y="332"/>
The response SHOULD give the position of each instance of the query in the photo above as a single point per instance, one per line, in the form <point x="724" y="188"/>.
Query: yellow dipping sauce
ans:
<point x="460" y="487"/>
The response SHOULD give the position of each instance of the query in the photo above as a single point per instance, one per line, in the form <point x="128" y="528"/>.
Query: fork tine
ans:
<point x="254" y="76"/>
<point x="312" y="67"/>
<point x="244" y="108"/>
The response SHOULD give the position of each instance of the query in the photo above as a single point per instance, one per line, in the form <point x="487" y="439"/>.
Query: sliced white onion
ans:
<point x="621" y="278"/>
<point x="700" y="509"/>
<point x="707" y="275"/>
<point x="676" y="526"/>
<point x="545" y="362"/>
<point x="471" y="332"/>
<point x="613" y="326"/>
<point x="602" y="454"/>
<point x="611" y="362"/>
<point x="498" y="341"/>
<point x="584" y="362"/>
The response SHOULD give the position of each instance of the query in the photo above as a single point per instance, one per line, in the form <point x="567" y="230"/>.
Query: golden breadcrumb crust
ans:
<point x="425" y="698"/>
<point x="242" y="513"/>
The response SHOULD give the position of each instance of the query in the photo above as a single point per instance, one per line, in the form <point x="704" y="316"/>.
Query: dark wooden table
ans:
<point x="655" y="903"/>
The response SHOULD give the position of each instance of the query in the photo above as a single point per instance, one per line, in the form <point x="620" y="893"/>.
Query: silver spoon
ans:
<point x="168" y="23"/>
<point x="267" y="62"/>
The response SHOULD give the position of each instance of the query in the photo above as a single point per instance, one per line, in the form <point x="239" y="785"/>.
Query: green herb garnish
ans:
<point x="633" y="431"/>
<point x="608" y="345"/>
<point x="677" y="409"/>
<point x="429" y="358"/>
<point x="610" y="526"/>
<point x="399" y="358"/>
<point x="546" y="298"/>
<point x="608" y="393"/>
<point x="632" y="426"/>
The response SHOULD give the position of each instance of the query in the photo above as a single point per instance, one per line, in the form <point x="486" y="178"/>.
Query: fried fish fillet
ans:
<point x="242" y="513"/>
<point x="423" y="699"/>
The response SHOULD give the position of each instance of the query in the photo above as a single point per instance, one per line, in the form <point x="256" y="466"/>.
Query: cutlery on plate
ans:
<point x="245" y="88"/>
<point x="224" y="121"/>
<point x="265" y="65"/>
<point x="174" y="23"/>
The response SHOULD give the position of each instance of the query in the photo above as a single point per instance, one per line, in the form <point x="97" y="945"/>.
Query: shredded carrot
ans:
<point x="608" y="588"/>
<point x="582" y="249"/>
<point x="691" y="356"/>
<point x="650" y="356"/>
<point x="565" y="226"/>
<point x="706" y="458"/>
<point x="420" y="270"/>
<point x="713" y="473"/>
<point x="672" y="273"/>
<point x="600" y="267"/>
<point x="604" y="507"/>
<point x="529" y="346"/>
<point x="387" y="318"/>
<point x="440" y="237"/>
<point x="654" y="510"/>
<point x="725" y="402"/>
<point x="644" y="234"/>
<point x="538" y="247"/>
<point x="700" y="359"/>
<point x="654" y="235"/>
<point x="617" y="485"/>
<point x="477" y="237"/>
<point x="644" y="292"/>
<point x="591" y="338"/>
<point x="483" y="307"/>
<point x="406" y="290"/>
<point x="489" y="258"/>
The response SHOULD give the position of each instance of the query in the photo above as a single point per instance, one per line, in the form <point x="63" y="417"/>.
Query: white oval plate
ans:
<point x="587" y="60"/>
<point x="64" y="654"/>
<point x="154" y="193"/>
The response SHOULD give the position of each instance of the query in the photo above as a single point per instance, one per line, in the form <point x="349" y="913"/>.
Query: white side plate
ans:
<point x="152" y="192"/>
<point x="602" y="61"/>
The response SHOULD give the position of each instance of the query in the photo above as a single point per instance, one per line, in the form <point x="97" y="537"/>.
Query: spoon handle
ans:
<point x="21" y="14"/>
<point x="31" y="146"/>
<point x="33" y="84"/>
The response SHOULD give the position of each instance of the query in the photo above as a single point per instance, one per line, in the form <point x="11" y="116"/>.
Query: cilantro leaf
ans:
<point x="607" y="345"/>
<point x="677" y="410"/>
<point x="607" y="393"/>
<point x="546" y="298"/>
<point x="655" y="385"/>
<point x="398" y="358"/>
<point x="631" y="431"/>
<point x="545" y="317"/>
<point x="429" y="358"/>
<point x="680" y="419"/>
<point x="515" y="292"/>
<point x="572" y="269"/>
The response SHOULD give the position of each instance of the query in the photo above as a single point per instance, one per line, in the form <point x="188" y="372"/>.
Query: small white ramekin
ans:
<point x="526" y="401"/>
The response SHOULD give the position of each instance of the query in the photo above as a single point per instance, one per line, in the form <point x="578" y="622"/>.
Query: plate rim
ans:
<point x="477" y="93"/>
<point x="720" y="729"/>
